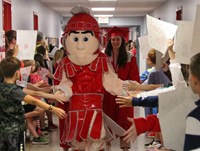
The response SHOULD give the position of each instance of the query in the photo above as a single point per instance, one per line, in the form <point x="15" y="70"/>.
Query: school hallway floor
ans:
<point x="53" y="145"/>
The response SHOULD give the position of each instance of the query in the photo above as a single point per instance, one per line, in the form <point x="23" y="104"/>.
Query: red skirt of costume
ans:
<point x="84" y="118"/>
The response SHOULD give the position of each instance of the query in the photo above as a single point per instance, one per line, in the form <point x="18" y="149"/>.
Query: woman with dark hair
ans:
<point x="41" y="50"/>
<point x="40" y="59"/>
<point x="125" y="66"/>
<point x="10" y="40"/>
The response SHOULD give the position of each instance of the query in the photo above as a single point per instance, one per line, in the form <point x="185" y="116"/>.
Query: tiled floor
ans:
<point x="53" y="145"/>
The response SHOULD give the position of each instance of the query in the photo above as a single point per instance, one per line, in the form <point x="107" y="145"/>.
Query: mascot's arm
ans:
<point x="65" y="85"/>
<point x="112" y="83"/>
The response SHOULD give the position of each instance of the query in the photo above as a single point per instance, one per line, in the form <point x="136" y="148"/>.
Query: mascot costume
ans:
<point x="84" y="74"/>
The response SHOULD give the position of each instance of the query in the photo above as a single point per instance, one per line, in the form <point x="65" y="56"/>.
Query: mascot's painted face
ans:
<point x="81" y="44"/>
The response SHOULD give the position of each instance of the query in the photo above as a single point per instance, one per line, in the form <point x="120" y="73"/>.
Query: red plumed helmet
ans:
<point x="82" y="20"/>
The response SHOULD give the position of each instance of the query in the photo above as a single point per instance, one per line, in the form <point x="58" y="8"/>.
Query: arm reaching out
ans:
<point x="141" y="125"/>
<point x="131" y="134"/>
<point x="58" y="96"/>
<point x="128" y="101"/>
<point x="31" y="100"/>
<point x="124" y="101"/>
<point x="136" y="86"/>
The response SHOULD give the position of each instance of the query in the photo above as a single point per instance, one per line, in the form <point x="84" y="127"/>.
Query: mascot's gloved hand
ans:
<point x="66" y="90"/>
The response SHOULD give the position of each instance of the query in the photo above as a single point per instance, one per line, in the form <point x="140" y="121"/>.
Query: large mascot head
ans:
<point x="81" y="36"/>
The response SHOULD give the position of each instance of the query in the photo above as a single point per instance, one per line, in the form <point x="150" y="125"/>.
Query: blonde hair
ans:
<point x="58" y="55"/>
<point x="152" y="55"/>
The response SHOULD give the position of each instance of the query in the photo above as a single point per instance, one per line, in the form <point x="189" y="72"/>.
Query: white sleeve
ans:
<point x="177" y="76"/>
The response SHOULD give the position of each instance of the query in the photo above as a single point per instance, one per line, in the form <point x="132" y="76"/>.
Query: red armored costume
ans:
<point x="85" y="73"/>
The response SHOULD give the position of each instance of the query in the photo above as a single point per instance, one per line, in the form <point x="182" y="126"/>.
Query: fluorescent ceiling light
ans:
<point x="102" y="0"/>
<point x="103" y="9"/>
<point x="103" y="15"/>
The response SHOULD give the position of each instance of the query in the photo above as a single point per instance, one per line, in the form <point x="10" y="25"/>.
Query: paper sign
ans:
<point x="159" y="32"/>
<point x="174" y="106"/>
<point x="26" y="40"/>
<point x="183" y="41"/>
<point x="144" y="46"/>
<point x="2" y="45"/>
<point x="195" y="48"/>
<point x="25" y="72"/>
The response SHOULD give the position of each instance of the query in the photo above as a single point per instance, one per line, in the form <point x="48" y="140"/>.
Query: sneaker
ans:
<point x="40" y="141"/>
<point x="153" y="144"/>
<point x="151" y="135"/>
<point x="52" y="126"/>
<point x="45" y="134"/>
<point x="46" y="129"/>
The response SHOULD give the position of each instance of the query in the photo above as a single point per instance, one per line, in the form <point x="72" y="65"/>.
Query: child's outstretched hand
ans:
<point x="131" y="134"/>
<point x="130" y="85"/>
<point x="59" y="112"/>
<point x="124" y="101"/>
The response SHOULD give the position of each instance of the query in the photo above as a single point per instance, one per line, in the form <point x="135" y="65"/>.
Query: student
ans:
<point x="151" y="62"/>
<point x="192" y="135"/>
<point x="32" y="111"/>
<point x="47" y="76"/>
<point x="12" y="124"/>
<point x="10" y="40"/>
<point x="124" y="64"/>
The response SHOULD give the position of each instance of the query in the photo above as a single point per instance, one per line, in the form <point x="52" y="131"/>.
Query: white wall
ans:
<point x="167" y="11"/>
<point x="22" y="17"/>
<point x="129" y="22"/>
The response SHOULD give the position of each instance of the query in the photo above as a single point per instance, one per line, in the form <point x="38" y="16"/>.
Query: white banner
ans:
<point x="159" y="32"/>
<point x="2" y="45"/>
<point x="26" y="40"/>
<point x="183" y="41"/>
<point x="174" y="106"/>
<point x="144" y="46"/>
<point x="196" y="34"/>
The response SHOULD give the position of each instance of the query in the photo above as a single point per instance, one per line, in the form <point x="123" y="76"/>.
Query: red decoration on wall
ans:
<point x="7" y="18"/>
<point x="35" y="21"/>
